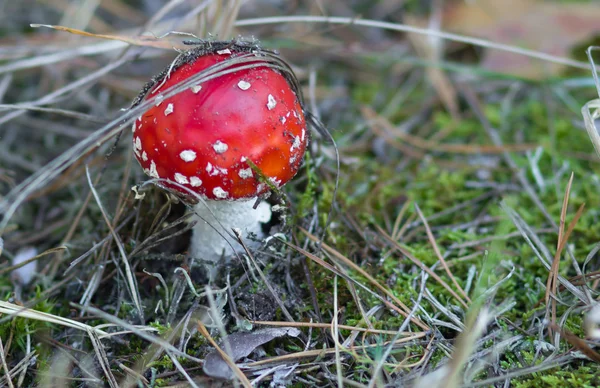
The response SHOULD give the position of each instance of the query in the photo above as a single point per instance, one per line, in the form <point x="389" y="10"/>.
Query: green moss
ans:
<point x="19" y="328"/>
<point x="586" y="376"/>
<point x="307" y="197"/>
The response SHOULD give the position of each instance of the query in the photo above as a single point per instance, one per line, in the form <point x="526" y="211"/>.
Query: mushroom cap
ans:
<point x="204" y="137"/>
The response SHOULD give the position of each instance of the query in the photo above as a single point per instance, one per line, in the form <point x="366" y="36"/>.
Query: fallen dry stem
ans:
<point x="577" y="342"/>
<point x="329" y="351"/>
<point x="328" y="326"/>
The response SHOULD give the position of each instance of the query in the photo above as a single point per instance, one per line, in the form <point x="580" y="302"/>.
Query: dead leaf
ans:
<point x="551" y="28"/>
<point x="242" y="344"/>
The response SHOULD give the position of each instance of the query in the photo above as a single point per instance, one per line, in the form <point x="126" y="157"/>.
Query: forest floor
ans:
<point x="444" y="233"/>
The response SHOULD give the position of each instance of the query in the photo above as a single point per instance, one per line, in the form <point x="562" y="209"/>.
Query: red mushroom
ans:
<point x="227" y="139"/>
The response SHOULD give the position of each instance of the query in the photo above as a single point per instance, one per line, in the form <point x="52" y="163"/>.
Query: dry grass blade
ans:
<point x="93" y="332"/>
<point x="577" y="342"/>
<point x="49" y="59"/>
<point x="349" y="279"/>
<point x="141" y="332"/>
<point x="591" y="110"/>
<point x="5" y="366"/>
<point x="563" y="237"/>
<point x="102" y="358"/>
<point x="408" y="141"/>
<point x="34" y="258"/>
<point x="420" y="264"/>
<point x="133" y="373"/>
<point x="335" y="334"/>
<point x="328" y="326"/>
<point x="16" y="310"/>
<point x="239" y="374"/>
<point x="131" y="281"/>
<point x="415" y="30"/>
<point x="465" y="346"/>
<point x="21" y="366"/>
<point x="144" y="41"/>
<point x="540" y="250"/>
<point x="284" y="310"/>
<point x="436" y="249"/>
<point x="405" y="310"/>
<point x="182" y="370"/>
<point x="329" y="351"/>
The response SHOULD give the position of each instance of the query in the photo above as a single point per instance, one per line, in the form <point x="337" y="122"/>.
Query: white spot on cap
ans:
<point x="295" y="114"/>
<point x="243" y="159"/>
<point x="223" y="52"/>
<point x="214" y="170"/>
<point x="260" y="187"/>
<point x="293" y="159"/>
<point x="282" y="119"/>
<point x="138" y="143"/>
<point x="144" y="156"/>
<point x="153" y="172"/>
<point x="187" y="155"/>
<point x="196" y="88"/>
<point x="181" y="179"/>
<point x="245" y="173"/>
<point x="159" y="100"/>
<point x="296" y="143"/>
<point x="195" y="181"/>
<point x="169" y="109"/>
<point x="220" y="147"/>
<point x="271" y="103"/>
<point x="303" y="134"/>
<point x="133" y="127"/>
<point x="244" y="85"/>
<point x="220" y="193"/>
<point x="275" y="181"/>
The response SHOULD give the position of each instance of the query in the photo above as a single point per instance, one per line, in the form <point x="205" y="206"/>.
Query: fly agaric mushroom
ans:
<point x="229" y="139"/>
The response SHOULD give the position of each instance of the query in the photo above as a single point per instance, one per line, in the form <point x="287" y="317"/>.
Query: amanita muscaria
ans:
<point x="230" y="139"/>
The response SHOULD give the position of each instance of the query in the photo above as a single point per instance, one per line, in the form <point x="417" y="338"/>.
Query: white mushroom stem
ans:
<point x="215" y="221"/>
